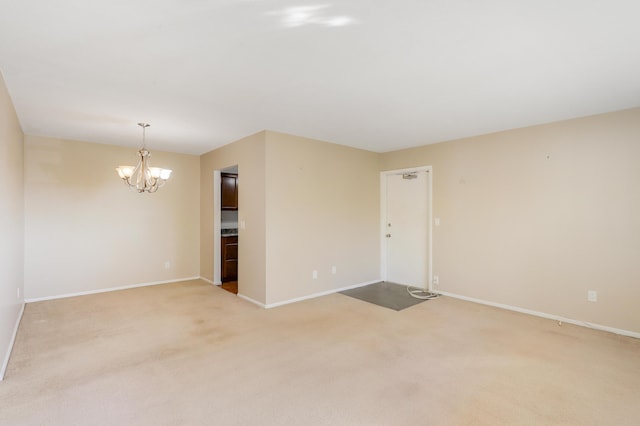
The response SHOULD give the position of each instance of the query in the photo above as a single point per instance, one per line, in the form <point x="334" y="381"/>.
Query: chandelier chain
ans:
<point x="144" y="136"/>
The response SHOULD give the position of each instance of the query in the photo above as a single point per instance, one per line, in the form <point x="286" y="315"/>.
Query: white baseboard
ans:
<point x="544" y="315"/>
<point x="104" y="290"/>
<point x="322" y="293"/>
<point x="248" y="299"/>
<point x="209" y="281"/>
<point x="300" y="299"/>
<point x="11" y="343"/>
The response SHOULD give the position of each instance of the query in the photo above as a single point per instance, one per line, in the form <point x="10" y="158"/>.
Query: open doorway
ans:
<point x="227" y="207"/>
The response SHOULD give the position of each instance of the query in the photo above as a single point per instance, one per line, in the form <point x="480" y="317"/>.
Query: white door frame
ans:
<point x="383" y="216"/>
<point x="217" y="238"/>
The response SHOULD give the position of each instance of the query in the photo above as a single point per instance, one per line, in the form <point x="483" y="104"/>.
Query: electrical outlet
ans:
<point x="435" y="280"/>
<point x="314" y="275"/>
<point x="592" y="296"/>
<point x="18" y="292"/>
<point x="167" y="265"/>
<point x="334" y="270"/>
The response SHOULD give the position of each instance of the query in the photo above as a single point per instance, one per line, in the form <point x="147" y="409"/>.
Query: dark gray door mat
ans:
<point x="388" y="295"/>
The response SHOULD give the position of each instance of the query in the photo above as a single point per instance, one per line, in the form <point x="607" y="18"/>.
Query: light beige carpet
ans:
<point x="193" y="354"/>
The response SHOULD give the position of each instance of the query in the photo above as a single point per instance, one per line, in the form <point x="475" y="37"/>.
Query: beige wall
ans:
<point x="86" y="231"/>
<point x="531" y="218"/>
<point x="535" y="217"/>
<point x="322" y="211"/>
<point x="248" y="154"/>
<point x="11" y="222"/>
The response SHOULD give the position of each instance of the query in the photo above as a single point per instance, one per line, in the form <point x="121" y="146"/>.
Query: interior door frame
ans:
<point x="217" y="233"/>
<point x="383" y="217"/>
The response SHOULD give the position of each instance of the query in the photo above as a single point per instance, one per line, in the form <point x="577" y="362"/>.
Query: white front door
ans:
<point x="407" y="228"/>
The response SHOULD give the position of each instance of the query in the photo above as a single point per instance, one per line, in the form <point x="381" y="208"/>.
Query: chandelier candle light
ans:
<point x="143" y="177"/>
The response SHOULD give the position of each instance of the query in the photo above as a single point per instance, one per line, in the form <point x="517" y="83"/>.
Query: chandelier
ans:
<point x="143" y="177"/>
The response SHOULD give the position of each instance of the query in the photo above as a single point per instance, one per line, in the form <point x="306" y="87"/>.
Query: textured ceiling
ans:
<point x="373" y="74"/>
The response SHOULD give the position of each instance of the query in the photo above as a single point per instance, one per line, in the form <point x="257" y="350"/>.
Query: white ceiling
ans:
<point x="373" y="74"/>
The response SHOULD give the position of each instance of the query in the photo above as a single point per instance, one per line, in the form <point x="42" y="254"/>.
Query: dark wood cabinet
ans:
<point x="229" y="258"/>
<point x="229" y="191"/>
